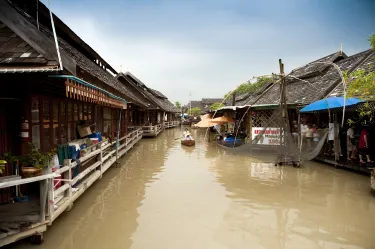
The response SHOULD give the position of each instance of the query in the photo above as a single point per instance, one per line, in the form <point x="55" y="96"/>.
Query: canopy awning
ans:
<point x="206" y="116"/>
<point x="79" y="89"/>
<point x="223" y="120"/>
<point x="233" y="107"/>
<point x="330" y="103"/>
<point x="205" y="123"/>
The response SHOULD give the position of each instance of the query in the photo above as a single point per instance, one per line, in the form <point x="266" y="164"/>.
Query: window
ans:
<point x="84" y="111"/>
<point x="107" y="120"/>
<point x="54" y="121"/>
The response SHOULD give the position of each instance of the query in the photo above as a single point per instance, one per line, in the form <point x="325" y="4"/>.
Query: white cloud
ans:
<point x="176" y="48"/>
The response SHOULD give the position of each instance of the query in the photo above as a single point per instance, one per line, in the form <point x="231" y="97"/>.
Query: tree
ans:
<point x="178" y="104"/>
<point x="216" y="106"/>
<point x="361" y="84"/>
<point x="196" y="111"/>
<point x="248" y="87"/>
<point x="371" y="39"/>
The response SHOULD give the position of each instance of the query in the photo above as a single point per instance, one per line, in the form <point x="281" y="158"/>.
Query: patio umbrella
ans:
<point x="330" y="103"/>
<point x="223" y="120"/>
<point x="206" y="116"/>
<point x="205" y="123"/>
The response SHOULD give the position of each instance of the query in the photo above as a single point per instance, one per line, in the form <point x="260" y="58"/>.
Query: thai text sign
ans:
<point x="271" y="136"/>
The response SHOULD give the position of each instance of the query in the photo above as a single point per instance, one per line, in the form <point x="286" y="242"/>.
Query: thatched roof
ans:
<point x="362" y="60"/>
<point x="203" y="104"/>
<point x="136" y="90"/>
<point x="248" y="98"/>
<point x="315" y="81"/>
<point x="42" y="41"/>
<point x="159" y="100"/>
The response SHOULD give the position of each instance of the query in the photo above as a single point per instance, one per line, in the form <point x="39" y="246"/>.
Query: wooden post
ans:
<point x="282" y="101"/>
<point x="335" y="139"/>
<point x="163" y="120"/>
<point x="101" y="160"/>
<point x="68" y="176"/>
<point x="299" y="129"/>
<point x="43" y="189"/>
<point x="50" y="199"/>
<point x="250" y="125"/>
<point x="117" y="144"/>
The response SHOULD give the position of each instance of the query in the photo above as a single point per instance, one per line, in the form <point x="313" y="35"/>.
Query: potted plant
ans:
<point x="2" y="166"/>
<point x="10" y="159"/>
<point x="34" y="161"/>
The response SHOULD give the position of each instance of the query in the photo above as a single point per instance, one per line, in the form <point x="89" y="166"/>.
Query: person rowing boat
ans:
<point x="186" y="135"/>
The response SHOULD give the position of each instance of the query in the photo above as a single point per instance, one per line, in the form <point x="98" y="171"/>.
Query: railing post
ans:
<point x="101" y="159"/>
<point x="68" y="176"/>
<point x="117" y="145"/>
<point x="43" y="198"/>
<point x="50" y="198"/>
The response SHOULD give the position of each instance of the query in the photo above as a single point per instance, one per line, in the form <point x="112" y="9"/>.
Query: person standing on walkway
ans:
<point x="309" y="136"/>
<point x="363" y="146"/>
<point x="351" y="143"/>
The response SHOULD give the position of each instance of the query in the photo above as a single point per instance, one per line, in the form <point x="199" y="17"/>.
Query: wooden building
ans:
<point x="314" y="81"/>
<point x="204" y="104"/>
<point x="54" y="97"/>
<point x="53" y="83"/>
<point x="159" y="112"/>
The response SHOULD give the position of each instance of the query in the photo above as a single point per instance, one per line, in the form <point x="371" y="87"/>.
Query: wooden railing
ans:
<point x="152" y="130"/>
<point x="55" y="201"/>
<point x="171" y="124"/>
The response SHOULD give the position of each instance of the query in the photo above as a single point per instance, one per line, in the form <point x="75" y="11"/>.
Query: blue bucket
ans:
<point x="19" y="199"/>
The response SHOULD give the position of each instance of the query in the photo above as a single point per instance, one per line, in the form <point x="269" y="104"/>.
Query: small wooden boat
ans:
<point x="188" y="142"/>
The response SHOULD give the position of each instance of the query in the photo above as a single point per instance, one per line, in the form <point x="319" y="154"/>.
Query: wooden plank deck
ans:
<point x="24" y="219"/>
<point x="19" y="217"/>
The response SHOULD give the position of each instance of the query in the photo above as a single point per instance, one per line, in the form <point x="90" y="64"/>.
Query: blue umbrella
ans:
<point x="330" y="103"/>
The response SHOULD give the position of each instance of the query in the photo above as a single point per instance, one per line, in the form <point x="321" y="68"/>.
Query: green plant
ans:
<point x="361" y="84"/>
<point x="216" y="106"/>
<point x="248" y="87"/>
<point x="10" y="158"/>
<point x="178" y="105"/>
<point x="371" y="39"/>
<point x="36" y="158"/>
<point x="2" y="167"/>
<point x="195" y="111"/>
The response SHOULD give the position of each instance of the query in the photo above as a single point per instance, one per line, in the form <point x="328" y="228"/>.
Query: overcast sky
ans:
<point x="209" y="47"/>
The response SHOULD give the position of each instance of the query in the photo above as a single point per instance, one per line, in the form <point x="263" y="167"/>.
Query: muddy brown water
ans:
<point x="165" y="196"/>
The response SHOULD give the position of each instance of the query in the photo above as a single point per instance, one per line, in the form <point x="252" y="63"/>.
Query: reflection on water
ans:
<point x="168" y="196"/>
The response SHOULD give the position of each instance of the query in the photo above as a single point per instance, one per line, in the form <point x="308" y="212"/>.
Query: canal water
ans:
<point x="165" y="196"/>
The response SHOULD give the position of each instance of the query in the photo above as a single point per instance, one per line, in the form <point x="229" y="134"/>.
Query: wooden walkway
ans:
<point x="24" y="219"/>
<point x="155" y="130"/>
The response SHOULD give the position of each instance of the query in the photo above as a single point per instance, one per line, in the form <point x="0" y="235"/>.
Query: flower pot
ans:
<point x="31" y="171"/>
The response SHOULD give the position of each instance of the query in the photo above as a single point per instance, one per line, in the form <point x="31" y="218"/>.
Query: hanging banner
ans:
<point x="271" y="136"/>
